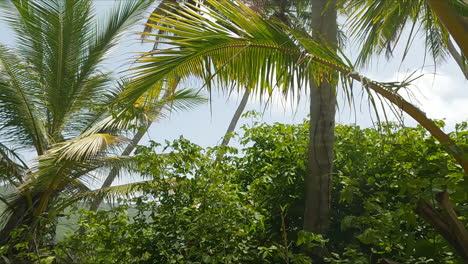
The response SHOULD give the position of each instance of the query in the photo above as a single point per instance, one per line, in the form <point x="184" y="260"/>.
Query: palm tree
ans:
<point x="230" y="43"/>
<point x="54" y="100"/>
<point x="323" y="100"/>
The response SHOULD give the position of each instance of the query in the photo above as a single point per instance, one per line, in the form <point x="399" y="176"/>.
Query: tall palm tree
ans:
<point x="54" y="100"/>
<point x="229" y="43"/>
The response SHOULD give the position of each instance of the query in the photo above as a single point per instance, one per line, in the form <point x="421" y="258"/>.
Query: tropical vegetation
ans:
<point x="54" y="100"/>
<point x="234" y="36"/>
<point x="246" y="207"/>
<point x="310" y="193"/>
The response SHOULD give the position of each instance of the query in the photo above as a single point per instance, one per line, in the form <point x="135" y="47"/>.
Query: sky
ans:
<point x="441" y="92"/>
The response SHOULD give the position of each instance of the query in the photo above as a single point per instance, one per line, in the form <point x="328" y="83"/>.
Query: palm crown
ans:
<point x="54" y="98"/>
<point x="227" y="43"/>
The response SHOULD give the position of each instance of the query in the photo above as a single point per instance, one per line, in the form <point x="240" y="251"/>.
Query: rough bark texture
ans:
<point x="321" y="130"/>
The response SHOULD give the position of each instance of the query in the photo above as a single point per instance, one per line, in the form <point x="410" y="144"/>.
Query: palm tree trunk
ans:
<point x="320" y="158"/>
<point x="235" y="118"/>
<point x="446" y="223"/>
<point x="458" y="58"/>
<point x="406" y="107"/>
<point x="321" y="129"/>
<point x="455" y="24"/>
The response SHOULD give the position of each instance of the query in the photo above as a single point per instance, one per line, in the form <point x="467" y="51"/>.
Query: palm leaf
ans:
<point x="59" y="182"/>
<point x="379" y="26"/>
<point x="108" y="32"/>
<point x="19" y="105"/>
<point x="12" y="166"/>
<point x="62" y="43"/>
<point x="151" y="105"/>
<point x="226" y="44"/>
<point x="85" y="147"/>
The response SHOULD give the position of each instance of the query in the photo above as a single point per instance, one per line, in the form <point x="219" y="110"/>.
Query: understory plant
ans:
<point x="244" y="206"/>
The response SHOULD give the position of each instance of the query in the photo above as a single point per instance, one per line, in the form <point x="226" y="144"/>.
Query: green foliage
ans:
<point x="246" y="206"/>
<point x="56" y="100"/>
<point x="227" y="44"/>
<point x="52" y="92"/>
<point x="191" y="213"/>
<point x="379" y="182"/>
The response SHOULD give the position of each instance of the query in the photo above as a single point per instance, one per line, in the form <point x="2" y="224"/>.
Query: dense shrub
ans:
<point x="246" y="206"/>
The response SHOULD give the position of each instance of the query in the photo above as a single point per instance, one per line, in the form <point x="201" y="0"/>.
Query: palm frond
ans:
<point x="231" y="44"/>
<point x="85" y="147"/>
<point x="105" y="37"/>
<point x="379" y="26"/>
<point x="156" y="102"/>
<point x="181" y="100"/>
<point x="159" y="10"/>
<point x="12" y="166"/>
<point x="460" y="6"/>
<point x="54" y="174"/>
<point x="63" y="45"/>
<point x="54" y="36"/>
<point x="224" y="44"/>
<point x="108" y="32"/>
<point x="20" y="116"/>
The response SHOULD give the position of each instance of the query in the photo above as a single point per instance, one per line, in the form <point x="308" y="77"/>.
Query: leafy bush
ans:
<point x="246" y="206"/>
<point x="191" y="212"/>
